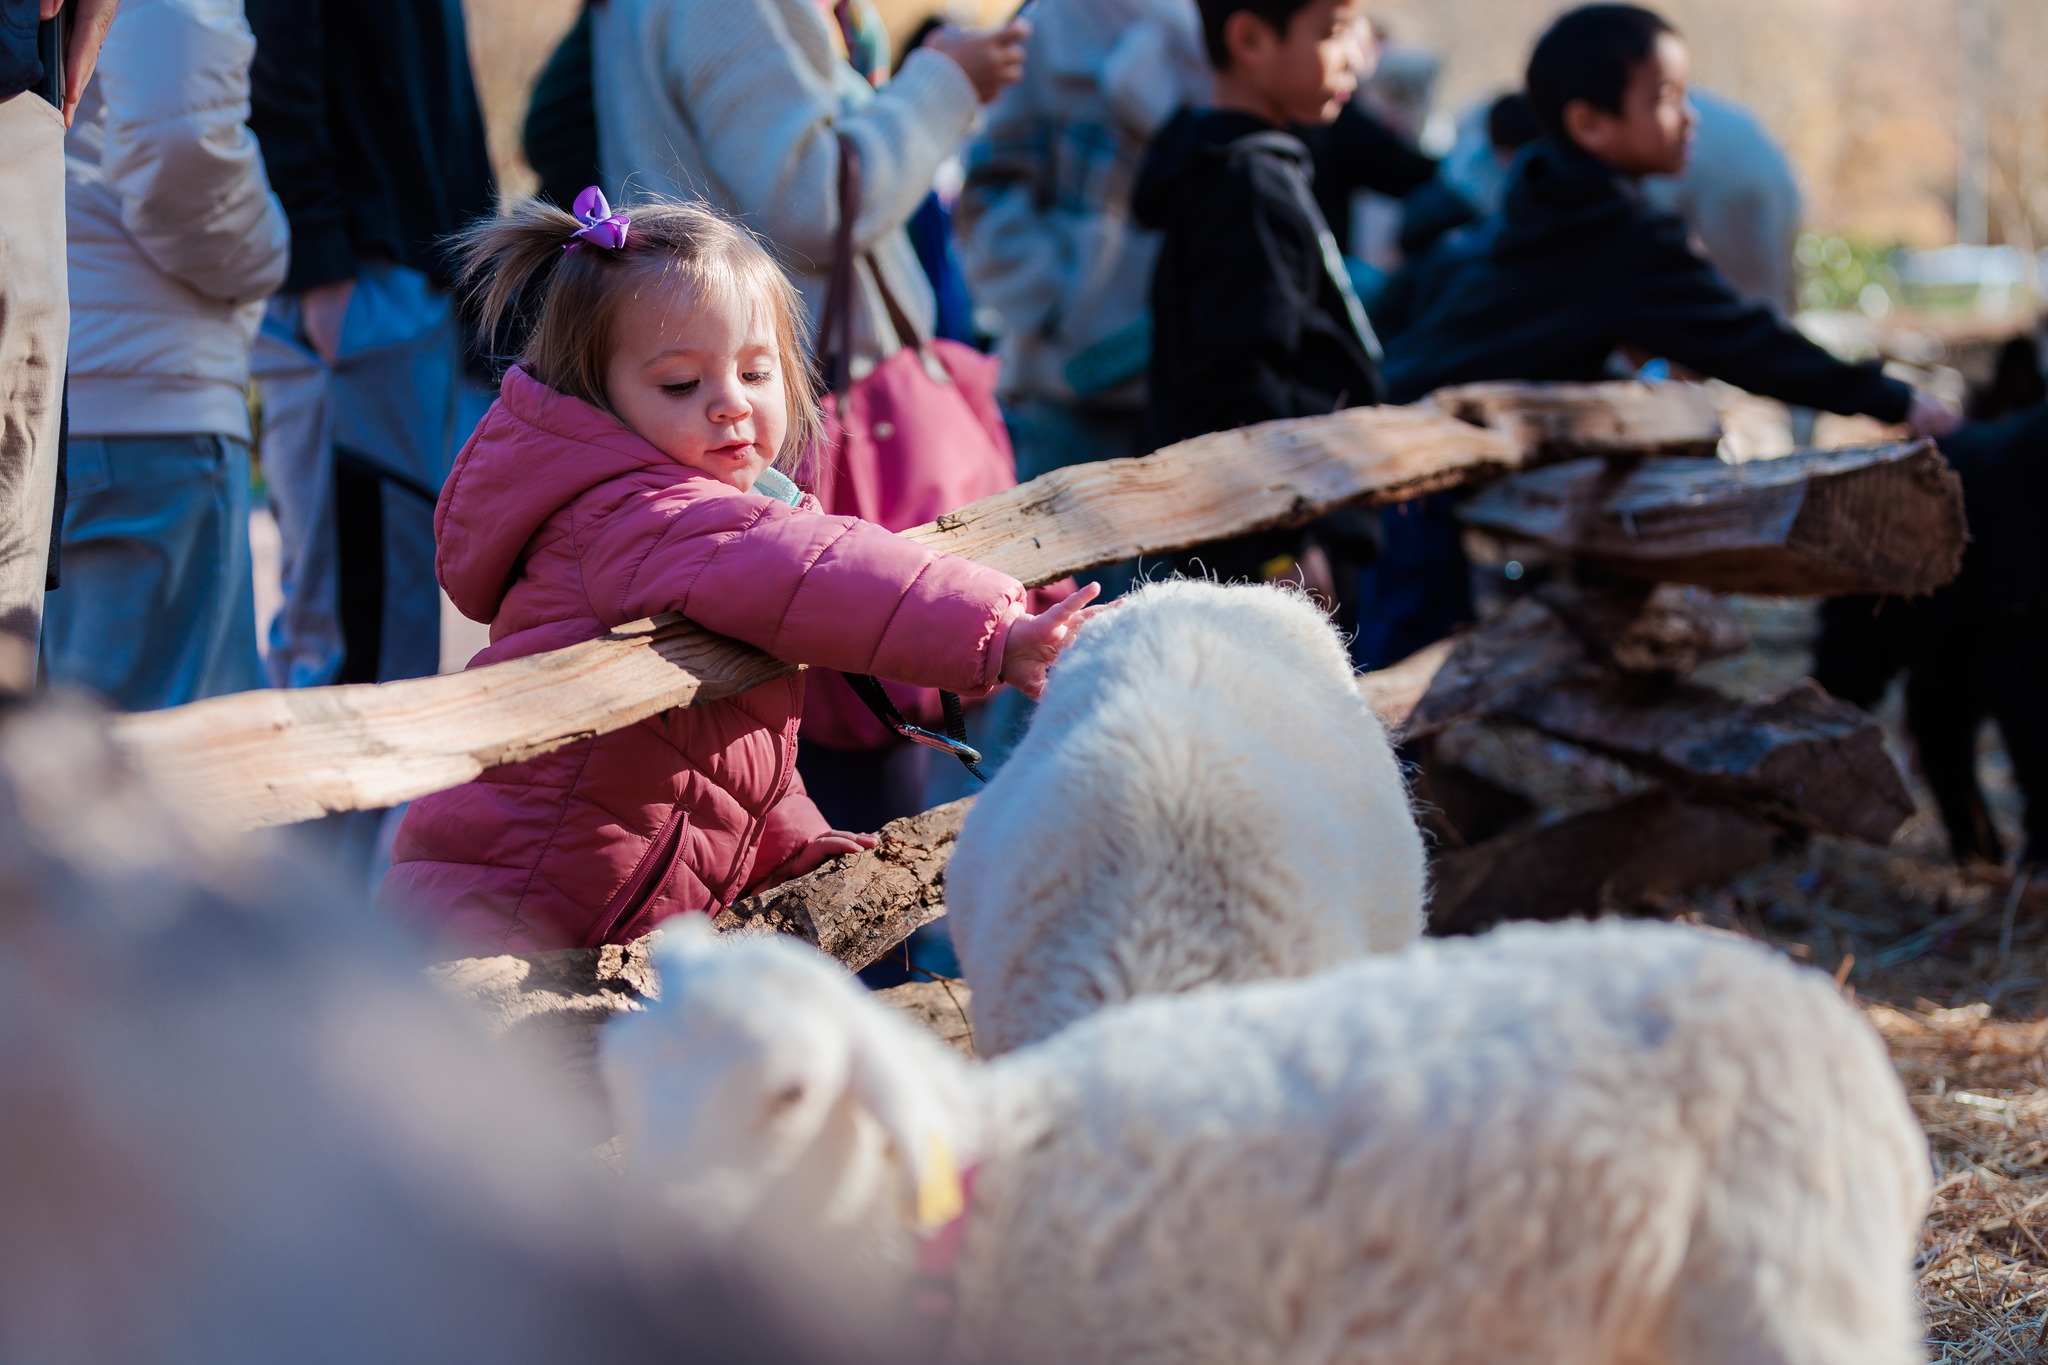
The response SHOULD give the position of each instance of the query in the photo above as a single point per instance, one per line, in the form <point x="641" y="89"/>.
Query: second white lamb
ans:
<point x="1202" y="797"/>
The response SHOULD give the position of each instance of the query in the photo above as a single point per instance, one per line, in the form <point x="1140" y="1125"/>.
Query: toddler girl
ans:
<point x="633" y="464"/>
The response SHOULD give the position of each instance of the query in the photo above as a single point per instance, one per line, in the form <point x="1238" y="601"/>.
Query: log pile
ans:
<point x="1639" y="541"/>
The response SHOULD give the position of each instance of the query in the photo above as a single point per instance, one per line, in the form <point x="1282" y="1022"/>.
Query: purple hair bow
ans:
<point x="601" y="227"/>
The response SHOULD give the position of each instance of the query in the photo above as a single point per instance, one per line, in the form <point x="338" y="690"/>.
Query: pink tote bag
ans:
<point x="919" y="435"/>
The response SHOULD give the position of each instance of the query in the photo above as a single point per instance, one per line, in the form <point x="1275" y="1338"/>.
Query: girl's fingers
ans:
<point x="1074" y="601"/>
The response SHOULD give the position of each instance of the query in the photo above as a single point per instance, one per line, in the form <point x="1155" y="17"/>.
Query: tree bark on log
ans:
<point x="860" y="905"/>
<point x="1556" y="636"/>
<point x="1593" y="862"/>
<point x="1478" y="673"/>
<point x="1637" y="627"/>
<point x="1802" y="757"/>
<point x="1881" y="519"/>
<point x="1560" y="421"/>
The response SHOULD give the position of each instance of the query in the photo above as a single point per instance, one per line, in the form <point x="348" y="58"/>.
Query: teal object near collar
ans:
<point x="773" y="483"/>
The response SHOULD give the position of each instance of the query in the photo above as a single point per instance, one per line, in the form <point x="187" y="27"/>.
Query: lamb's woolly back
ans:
<point x="1598" y="1143"/>
<point x="1609" y="1144"/>
<point x="1203" y="796"/>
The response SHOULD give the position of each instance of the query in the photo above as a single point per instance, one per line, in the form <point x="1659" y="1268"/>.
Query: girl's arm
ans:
<point x="831" y="592"/>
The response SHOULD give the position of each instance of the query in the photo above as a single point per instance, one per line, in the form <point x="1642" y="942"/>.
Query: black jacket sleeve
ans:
<point x="1361" y="153"/>
<point x="1242" y="303"/>
<point x="1679" y="306"/>
<point x="288" y="114"/>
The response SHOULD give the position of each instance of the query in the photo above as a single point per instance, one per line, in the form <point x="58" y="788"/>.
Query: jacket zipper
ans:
<point x="648" y="878"/>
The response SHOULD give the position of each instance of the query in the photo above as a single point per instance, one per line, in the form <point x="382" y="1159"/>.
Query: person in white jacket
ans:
<point x="175" y="241"/>
<point x="739" y="103"/>
<point x="1046" y="234"/>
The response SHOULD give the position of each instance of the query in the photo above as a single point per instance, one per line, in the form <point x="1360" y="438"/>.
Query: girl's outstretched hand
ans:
<point x="822" y="850"/>
<point x="1036" y="641"/>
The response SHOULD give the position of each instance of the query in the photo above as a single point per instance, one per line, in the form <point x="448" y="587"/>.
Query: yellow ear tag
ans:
<point x="939" y="1196"/>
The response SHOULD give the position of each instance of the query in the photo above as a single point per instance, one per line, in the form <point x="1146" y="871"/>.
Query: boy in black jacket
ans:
<point x="1253" y="316"/>
<point x="1576" y="268"/>
<point x="1578" y="265"/>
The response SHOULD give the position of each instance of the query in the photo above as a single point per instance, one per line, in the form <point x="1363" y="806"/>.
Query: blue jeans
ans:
<point x="158" y="604"/>
<point x="355" y="453"/>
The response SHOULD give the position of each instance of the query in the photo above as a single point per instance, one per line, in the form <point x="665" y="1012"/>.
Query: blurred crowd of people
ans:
<point x="1164" y="217"/>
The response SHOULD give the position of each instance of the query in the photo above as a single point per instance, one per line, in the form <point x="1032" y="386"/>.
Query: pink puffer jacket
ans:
<point x="559" y="524"/>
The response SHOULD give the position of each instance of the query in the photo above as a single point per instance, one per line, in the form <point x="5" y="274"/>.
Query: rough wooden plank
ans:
<point x="1593" y="862"/>
<point x="1562" y="633"/>
<point x="860" y="905"/>
<point x="271" y="757"/>
<point x="1878" y="519"/>
<point x="1560" y="421"/>
<point x="1802" y="757"/>
<point x="265" y="758"/>
<point x="1478" y="673"/>
<point x="1656" y="628"/>
<point x="1223" y="484"/>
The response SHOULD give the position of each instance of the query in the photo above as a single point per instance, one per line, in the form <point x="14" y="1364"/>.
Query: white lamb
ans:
<point x="1202" y="797"/>
<point x="1594" y="1144"/>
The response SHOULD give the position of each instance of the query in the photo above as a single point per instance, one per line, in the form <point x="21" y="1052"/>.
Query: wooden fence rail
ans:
<point x="267" y="758"/>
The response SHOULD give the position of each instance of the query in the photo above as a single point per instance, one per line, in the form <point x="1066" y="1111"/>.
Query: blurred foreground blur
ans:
<point x="238" y="1124"/>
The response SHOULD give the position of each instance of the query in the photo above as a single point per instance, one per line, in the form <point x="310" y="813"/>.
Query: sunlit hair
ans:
<point x="557" y="307"/>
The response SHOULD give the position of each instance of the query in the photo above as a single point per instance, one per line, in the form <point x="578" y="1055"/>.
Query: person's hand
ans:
<point x="1931" y="416"/>
<point x="322" y="309"/>
<point x="89" y="20"/>
<point x="992" y="58"/>
<point x="824" y="849"/>
<point x="1035" y="642"/>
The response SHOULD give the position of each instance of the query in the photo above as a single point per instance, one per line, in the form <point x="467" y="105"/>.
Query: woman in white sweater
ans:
<point x="175" y="241"/>
<point x="740" y="102"/>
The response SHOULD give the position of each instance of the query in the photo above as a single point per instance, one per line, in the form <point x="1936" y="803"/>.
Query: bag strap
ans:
<point x="876" y="698"/>
<point x="906" y="332"/>
<point x="835" y="321"/>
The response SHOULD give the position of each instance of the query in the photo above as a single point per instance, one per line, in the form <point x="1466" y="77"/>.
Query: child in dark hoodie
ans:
<point x="1579" y="265"/>
<point x="1576" y="267"/>
<point x="1253" y="316"/>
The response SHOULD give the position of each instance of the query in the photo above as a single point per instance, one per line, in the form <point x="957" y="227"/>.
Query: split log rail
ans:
<point x="1605" y="477"/>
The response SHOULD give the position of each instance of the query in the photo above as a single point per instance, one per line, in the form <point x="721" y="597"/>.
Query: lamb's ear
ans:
<point x="895" y="1081"/>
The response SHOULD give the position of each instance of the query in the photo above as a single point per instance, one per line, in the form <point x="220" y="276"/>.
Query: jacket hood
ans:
<point x="534" y="453"/>
<point x="1555" y="192"/>
<point x="1196" y="143"/>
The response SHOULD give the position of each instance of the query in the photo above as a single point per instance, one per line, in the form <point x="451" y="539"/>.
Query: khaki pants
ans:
<point x="35" y="327"/>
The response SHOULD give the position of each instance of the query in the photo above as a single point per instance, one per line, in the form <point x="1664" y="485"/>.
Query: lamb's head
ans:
<point x="765" y="1095"/>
